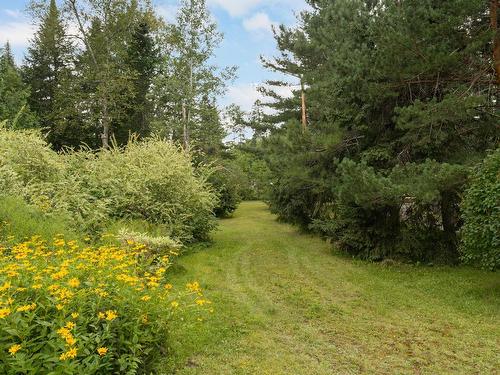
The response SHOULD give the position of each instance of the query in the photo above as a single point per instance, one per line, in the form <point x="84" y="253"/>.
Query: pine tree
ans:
<point x="13" y="93"/>
<point x="47" y="69"/>
<point x="142" y="58"/>
<point x="105" y="68"/>
<point x="387" y="96"/>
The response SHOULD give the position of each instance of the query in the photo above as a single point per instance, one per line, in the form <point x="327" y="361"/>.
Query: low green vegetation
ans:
<point x="22" y="221"/>
<point x="284" y="304"/>
<point x="152" y="180"/>
<point x="67" y="306"/>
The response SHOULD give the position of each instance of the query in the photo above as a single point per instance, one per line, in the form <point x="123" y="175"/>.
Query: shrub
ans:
<point x="225" y="182"/>
<point x="152" y="180"/>
<point x="27" y="158"/>
<point x="481" y="215"/>
<point x="157" y="245"/>
<point x="73" y="309"/>
<point x="409" y="214"/>
<point x="31" y="170"/>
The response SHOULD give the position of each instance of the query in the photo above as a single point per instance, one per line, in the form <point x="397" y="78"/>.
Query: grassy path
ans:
<point x="284" y="304"/>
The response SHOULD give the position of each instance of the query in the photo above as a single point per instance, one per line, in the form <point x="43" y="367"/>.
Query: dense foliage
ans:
<point x="481" y="214"/>
<point x="152" y="180"/>
<point x="396" y="115"/>
<point x="225" y="181"/>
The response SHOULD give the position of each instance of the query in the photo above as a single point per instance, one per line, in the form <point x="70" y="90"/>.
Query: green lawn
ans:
<point x="285" y="304"/>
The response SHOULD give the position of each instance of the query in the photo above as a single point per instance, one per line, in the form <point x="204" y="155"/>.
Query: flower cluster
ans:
<point x="70" y="308"/>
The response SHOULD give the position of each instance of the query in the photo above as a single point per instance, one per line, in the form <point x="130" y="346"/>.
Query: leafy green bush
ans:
<point x="481" y="215"/>
<point x="26" y="158"/>
<point x="409" y="214"/>
<point x="152" y="180"/>
<point x="225" y="181"/>
<point x="31" y="170"/>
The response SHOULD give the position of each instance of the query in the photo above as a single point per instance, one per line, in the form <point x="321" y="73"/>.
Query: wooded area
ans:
<point x="117" y="156"/>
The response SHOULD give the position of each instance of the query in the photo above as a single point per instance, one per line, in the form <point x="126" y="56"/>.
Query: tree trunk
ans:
<point x="304" y="110"/>
<point x="449" y="217"/>
<point x="496" y="37"/>
<point x="185" y="130"/>
<point x="105" y="125"/>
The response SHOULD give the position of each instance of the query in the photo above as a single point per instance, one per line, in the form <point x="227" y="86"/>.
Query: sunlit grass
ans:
<point x="284" y="304"/>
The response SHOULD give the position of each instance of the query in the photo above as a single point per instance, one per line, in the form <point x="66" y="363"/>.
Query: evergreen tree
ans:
<point x="391" y="105"/>
<point x="142" y="58"/>
<point x="109" y="81"/>
<point x="13" y="93"/>
<point x="47" y="70"/>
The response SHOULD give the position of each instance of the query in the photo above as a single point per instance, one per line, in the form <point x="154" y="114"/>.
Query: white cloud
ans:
<point x="245" y="95"/>
<point x="258" y="22"/>
<point x="239" y="8"/>
<point x="236" y="7"/>
<point x="17" y="33"/>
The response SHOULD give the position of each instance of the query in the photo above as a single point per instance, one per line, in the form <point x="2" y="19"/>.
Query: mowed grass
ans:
<point x="285" y="304"/>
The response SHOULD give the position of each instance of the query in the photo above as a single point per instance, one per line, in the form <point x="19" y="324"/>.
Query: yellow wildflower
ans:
<point x="59" y="242"/>
<point x="67" y="336"/>
<point x="5" y="286"/>
<point x="102" y="351"/>
<point x="145" y="298"/>
<point x="101" y="315"/>
<point x="70" y="354"/>
<point x="75" y="315"/>
<point x="168" y="286"/>
<point x="63" y="272"/>
<point x="70" y="325"/>
<point x="111" y="315"/>
<point x="74" y="283"/>
<point x="174" y="304"/>
<point x="4" y="312"/>
<point x="36" y="286"/>
<point x="29" y="307"/>
<point x="14" y="349"/>
<point x="53" y="287"/>
<point x="193" y="287"/>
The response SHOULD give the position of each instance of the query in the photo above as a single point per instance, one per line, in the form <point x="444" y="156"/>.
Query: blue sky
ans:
<point x="246" y="25"/>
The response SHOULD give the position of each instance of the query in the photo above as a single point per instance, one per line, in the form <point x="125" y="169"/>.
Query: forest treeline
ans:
<point x="98" y="74"/>
<point x="402" y="107"/>
<point x="389" y="147"/>
<point x="98" y="71"/>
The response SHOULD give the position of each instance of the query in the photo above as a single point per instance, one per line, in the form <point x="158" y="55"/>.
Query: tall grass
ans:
<point x="22" y="221"/>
